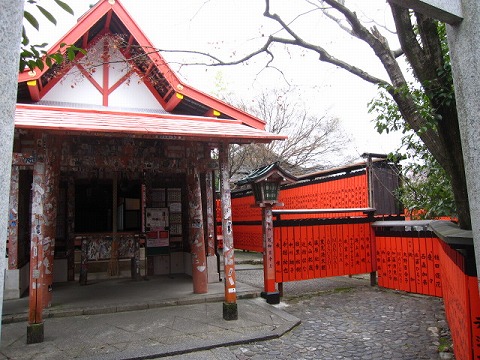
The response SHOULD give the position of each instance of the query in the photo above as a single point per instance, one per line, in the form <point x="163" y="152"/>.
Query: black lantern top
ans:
<point x="266" y="181"/>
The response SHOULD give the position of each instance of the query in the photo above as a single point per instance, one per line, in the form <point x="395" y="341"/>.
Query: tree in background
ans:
<point x="426" y="191"/>
<point x="421" y="47"/>
<point x="426" y="186"/>
<point x="314" y="142"/>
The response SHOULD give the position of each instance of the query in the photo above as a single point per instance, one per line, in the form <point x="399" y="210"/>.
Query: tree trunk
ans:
<point x="443" y="141"/>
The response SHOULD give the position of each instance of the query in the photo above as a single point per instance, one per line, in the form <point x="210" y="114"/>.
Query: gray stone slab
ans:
<point x="449" y="11"/>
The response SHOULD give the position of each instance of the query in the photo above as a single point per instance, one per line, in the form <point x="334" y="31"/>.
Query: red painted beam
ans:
<point x="212" y="113"/>
<point x="120" y="81"/>
<point x="34" y="90"/>
<point x="108" y="20"/>
<point x="106" y="70"/>
<point x="90" y="78"/>
<point x="173" y="102"/>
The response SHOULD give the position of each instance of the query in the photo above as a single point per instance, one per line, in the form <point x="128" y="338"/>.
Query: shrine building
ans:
<point x="114" y="162"/>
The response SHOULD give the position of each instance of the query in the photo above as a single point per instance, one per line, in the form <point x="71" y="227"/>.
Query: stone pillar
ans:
<point x="11" y="20"/>
<point x="13" y="220"/>
<point x="464" y="43"/>
<point x="230" y="311"/>
<point x="195" y="224"/>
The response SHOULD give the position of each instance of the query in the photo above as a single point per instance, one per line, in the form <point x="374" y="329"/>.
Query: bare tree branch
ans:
<point x="312" y="140"/>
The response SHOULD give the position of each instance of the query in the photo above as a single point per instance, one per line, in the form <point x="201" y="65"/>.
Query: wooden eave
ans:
<point x="108" y="123"/>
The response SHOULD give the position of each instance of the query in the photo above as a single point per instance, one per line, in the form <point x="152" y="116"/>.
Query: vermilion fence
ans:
<point x="462" y="303"/>
<point x="335" y="191"/>
<point x="345" y="191"/>
<point x="355" y="186"/>
<point x="309" y="249"/>
<point x="409" y="261"/>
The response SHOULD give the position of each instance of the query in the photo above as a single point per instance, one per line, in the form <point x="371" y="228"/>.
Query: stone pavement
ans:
<point x="346" y="318"/>
<point x="341" y="318"/>
<point x="356" y="323"/>
<point x="147" y="333"/>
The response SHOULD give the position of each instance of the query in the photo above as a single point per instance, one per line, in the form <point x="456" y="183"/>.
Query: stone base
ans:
<point x="271" y="297"/>
<point x="35" y="333"/>
<point x="16" y="282"/>
<point x="230" y="311"/>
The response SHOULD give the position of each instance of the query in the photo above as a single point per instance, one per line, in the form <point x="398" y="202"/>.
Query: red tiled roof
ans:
<point x="116" y="123"/>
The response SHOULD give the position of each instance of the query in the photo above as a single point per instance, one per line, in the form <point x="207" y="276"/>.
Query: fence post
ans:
<point x="270" y="293"/>
<point x="373" y="255"/>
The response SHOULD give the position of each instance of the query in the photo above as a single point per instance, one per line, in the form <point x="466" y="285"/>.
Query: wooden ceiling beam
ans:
<point x="173" y="102"/>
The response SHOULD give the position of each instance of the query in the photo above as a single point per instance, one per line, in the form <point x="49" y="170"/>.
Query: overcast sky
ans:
<point x="229" y="28"/>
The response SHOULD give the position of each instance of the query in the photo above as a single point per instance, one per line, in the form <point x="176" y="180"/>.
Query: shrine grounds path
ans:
<point x="353" y="321"/>
<point x="336" y="318"/>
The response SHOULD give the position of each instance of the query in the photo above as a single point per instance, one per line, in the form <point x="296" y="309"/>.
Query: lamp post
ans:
<point x="265" y="183"/>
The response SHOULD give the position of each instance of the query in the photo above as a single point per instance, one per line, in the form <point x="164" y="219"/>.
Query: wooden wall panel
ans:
<point x="455" y="296"/>
<point x="317" y="251"/>
<point x="409" y="263"/>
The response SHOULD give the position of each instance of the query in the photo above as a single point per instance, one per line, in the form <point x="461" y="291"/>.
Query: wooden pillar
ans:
<point x="213" y="264"/>
<point x="371" y="204"/>
<point x="44" y="213"/>
<point x="113" y="268"/>
<point x="230" y="311"/>
<point x="195" y="220"/>
<point x="50" y="197"/>
<point x="270" y="293"/>
<point x="71" y="228"/>
<point x="83" y="261"/>
<point x="35" y="332"/>
<point x="143" y="204"/>
<point x="268" y="261"/>
<point x="210" y="215"/>
<point x="136" y="260"/>
<point x="13" y="220"/>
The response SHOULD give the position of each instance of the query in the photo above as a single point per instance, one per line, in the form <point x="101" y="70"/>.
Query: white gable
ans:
<point x="135" y="94"/>
<point x="86" y="84"/>
<point x="74" y="88"/>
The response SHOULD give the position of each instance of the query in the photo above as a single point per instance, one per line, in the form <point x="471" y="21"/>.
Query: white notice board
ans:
<point x="156" y="218"/>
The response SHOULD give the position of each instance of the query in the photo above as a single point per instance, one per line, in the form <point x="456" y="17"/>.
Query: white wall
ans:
<point x="16" y="282"/>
